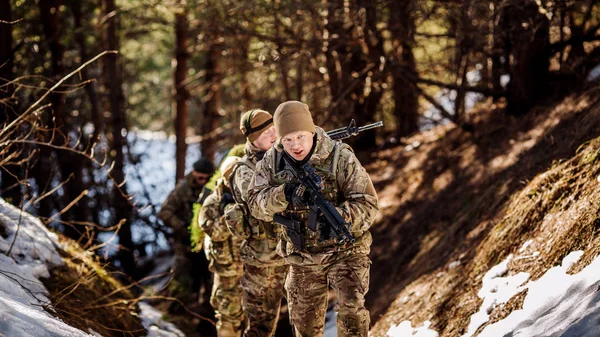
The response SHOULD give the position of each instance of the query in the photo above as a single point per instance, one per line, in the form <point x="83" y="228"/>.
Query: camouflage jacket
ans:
<point x="177" y="210"/>
<point x="221" y="248"/>
<point x="261" y="243"/>
<point x="346" y="184"/>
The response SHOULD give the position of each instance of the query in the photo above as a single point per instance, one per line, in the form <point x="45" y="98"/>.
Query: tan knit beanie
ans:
<point x="254" y="122"/>
<point x="227" y="166"/>
<point x="292" y="116"/>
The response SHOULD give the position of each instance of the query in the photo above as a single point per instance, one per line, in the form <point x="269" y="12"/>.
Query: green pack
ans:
<point x="196" y="232"/>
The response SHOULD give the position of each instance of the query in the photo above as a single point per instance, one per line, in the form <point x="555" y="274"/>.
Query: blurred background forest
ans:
<point x="82" y="83"/>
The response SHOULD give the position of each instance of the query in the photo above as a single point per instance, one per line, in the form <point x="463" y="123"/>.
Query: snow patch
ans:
<point x="594" y="74"/>
<point x="496" y="290"/>
<point x="525" y="245"/>
<point x="557" y="304"/>
<point x="23" y="296"/>
<point x="453" y="264"/>
<point x="156" y="326"/>
<point x="405" y="329"/>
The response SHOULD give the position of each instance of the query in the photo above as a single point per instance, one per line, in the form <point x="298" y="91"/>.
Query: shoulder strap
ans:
<point x="246" y="162"/>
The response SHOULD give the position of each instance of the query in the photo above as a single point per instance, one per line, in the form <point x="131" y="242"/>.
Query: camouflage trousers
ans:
<point x="307" y="296"/>
<point x="226" y="299"/>
<point x="263" y="291"/>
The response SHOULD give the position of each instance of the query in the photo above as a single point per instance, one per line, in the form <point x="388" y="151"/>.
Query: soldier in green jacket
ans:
<point x="317" y="258"/>
<point x="190" y="270"/>
<point x="223" y="253"/>
<point x="264" y="270"/>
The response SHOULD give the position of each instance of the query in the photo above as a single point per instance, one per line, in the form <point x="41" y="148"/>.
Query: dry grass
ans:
<point x="475" y="198"/>
<point x="85" y="295"/>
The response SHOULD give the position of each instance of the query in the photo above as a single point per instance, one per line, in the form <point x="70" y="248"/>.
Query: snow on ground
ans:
<point x="557" y="304"/>
<point x="22" y="295"/>
<point x="156" y="326"/>
<point x="496" y="290"/>
<point x="27" y="251"/>
<point x="405" y="329"/>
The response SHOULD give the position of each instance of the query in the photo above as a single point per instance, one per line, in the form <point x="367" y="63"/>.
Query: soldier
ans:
<point x="316" y="257"/>
<point x="264" y="270"/>
<point x="176" y="212"/>
<point x="223" y="253"/>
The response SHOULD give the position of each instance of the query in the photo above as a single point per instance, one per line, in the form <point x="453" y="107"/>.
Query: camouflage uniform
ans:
<point x="264" y="270"/>
<point x="323" y="262"/>
<point x="176" y="212"/>
<point x="223" y="253"/>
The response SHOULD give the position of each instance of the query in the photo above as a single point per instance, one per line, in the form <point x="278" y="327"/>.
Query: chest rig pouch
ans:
<point x="249" y="226"/>
<point x="306" y="229"/>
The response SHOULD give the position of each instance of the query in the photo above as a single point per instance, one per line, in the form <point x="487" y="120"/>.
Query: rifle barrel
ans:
<point x="370" y="126"/>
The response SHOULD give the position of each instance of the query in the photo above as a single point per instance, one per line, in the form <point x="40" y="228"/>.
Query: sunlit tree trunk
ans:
<point x="180" y="92"/>
<point x="10" y="189"/>
<point x="116" y="98"/>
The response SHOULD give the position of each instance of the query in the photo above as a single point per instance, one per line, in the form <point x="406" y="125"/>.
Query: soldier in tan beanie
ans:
<point x="317" y="259"/>
<point x="264" y="270"/>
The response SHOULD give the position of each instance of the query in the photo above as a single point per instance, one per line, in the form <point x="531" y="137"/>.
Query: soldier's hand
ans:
<point x="226" y="200"/>
<point x="296" y="195"/>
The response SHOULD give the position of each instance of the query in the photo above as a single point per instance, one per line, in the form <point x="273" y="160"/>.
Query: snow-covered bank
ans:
<point x="27" y="249"/>
<point x="557" y="304"/>
<point x="27" y="252"/>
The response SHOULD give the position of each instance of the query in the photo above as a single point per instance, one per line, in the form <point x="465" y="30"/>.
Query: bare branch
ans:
<point x="30" y="109"/>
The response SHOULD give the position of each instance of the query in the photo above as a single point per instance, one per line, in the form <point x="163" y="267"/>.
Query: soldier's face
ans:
<point x="200" y="178"/>
<point x="266" y="139"/>
<point x="297" y="144"/>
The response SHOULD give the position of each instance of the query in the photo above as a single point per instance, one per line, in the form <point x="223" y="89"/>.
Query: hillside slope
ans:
<point x="454" y="204"/>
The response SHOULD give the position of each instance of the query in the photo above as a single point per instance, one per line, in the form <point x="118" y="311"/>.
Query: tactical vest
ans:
<point x="223" y="256"/>
<point x="314" y="241"/>
<point x="258" y="229"/>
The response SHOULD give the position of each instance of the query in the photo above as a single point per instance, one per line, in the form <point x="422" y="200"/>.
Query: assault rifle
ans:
<point x="318" y="205"/>
<point x="351" y="130"/>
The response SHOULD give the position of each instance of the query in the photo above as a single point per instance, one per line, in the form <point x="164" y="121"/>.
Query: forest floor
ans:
<point x="454" y="204"/>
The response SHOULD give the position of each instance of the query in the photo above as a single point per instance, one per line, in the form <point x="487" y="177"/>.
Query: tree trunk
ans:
<point x="282" y="62"/>
<point x="403" y="67"/>
<point x="500" y="48"/>
<point x="246" y="67"/>
<point x="529" y="38"/>
<point x="210" y="122"/>
<point x="10" y="188"/>
<point x="91" y="87"/>
<point x="43" y="171"/>
<point x="49" y="12"/>
<point x="70" y="164"/>
<point x="112" y="72"/>
<point x="371" y="89"/>
<point x="332" y="44"/>
<point x="180" y="93"/>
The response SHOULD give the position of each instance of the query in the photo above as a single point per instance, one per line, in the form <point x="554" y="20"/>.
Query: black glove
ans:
<point x="226" y="200"/>
<point x="296" y="195"/>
